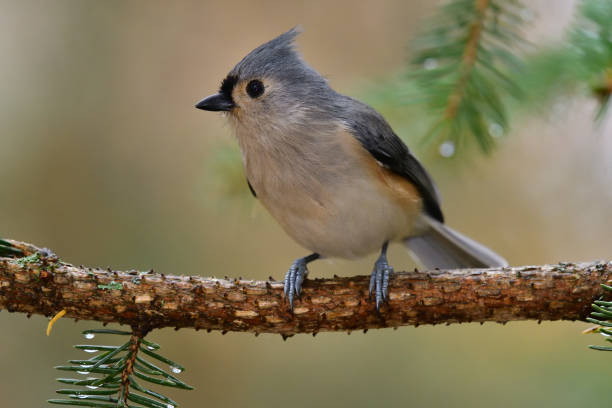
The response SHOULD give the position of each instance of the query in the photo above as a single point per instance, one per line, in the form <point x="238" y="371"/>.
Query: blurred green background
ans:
<point x="104" y="159"/>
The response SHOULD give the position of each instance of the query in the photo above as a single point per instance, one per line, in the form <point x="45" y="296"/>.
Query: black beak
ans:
<point x="216" y="102"/>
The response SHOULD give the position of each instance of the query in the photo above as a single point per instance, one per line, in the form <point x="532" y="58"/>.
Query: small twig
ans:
<point x="43" y="285"/>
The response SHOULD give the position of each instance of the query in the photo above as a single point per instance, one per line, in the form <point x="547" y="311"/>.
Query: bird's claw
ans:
<point x="294" y="278"/>
<point x="379" y="280"/>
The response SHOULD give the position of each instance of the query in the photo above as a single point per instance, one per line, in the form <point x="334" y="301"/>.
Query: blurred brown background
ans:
<point x="104" y="159"/>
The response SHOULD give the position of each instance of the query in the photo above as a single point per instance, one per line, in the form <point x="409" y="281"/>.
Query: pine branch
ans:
<point x="468" y="59"/>
<point x="581" y="64"/>
<point x="117" y="367"/>
<point x="602" y="316"/>
<point x="591" y="42"/>
<point x="460" y="69"/>
<point x="39" y="283"/>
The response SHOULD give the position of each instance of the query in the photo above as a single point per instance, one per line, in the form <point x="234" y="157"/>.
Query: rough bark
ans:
<point x="40" y="284"/>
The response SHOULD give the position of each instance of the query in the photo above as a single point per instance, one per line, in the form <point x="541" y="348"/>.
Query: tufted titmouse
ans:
<point x="331" y="170"/>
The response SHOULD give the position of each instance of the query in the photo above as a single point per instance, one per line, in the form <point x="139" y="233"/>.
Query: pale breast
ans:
<point x="329" y="194"/>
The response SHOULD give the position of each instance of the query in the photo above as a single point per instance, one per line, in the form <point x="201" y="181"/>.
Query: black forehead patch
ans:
<point x="228" y="84"/>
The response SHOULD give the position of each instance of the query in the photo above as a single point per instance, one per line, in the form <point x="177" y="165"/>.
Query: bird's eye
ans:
<point x="255" y="88"/>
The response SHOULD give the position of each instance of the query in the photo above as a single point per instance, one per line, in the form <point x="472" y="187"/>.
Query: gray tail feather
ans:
<point x="444" y="248"/>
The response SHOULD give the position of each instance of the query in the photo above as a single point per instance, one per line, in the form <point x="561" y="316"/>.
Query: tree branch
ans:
<point x="38" y="283"/>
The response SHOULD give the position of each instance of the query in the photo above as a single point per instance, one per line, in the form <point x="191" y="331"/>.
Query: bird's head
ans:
<point x="271" y="85"/>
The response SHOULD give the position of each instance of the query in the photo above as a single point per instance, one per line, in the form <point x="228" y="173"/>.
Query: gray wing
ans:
<point x="377" y="137"/>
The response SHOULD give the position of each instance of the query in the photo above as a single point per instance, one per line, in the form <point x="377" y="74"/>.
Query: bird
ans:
<point x="332" y="172"/>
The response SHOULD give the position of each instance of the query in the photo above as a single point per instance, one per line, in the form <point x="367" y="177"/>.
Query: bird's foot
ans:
<point x="379" y="280"/>
<point x="294" y="278"/>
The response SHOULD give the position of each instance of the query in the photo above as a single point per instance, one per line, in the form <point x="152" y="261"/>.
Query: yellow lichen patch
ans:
<point x="55" y="318"/>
